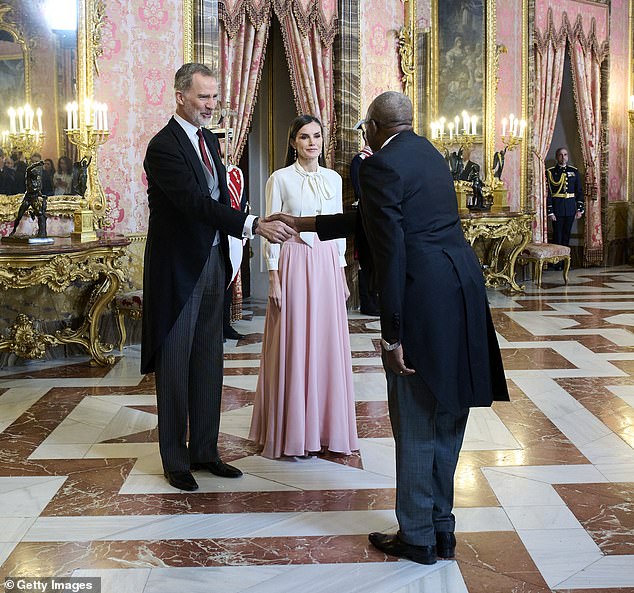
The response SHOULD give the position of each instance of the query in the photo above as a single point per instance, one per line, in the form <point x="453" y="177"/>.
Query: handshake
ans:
<point x="280" y="227"/>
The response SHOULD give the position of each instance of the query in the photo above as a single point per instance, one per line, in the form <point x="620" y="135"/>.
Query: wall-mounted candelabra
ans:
<point x="25" y="133"/>
<point x="460" y="132"/>
<point x="87" y="128"/>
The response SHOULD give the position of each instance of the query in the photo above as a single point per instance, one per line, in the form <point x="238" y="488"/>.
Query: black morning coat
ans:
<point x="183" y="222"/>
<point x="431" y="287"/>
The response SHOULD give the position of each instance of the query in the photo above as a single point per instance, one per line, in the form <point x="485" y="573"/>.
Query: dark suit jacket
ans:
<point x="431" y="287"/>
<point x="573" y="185"/>
<point x="183" y="222"/>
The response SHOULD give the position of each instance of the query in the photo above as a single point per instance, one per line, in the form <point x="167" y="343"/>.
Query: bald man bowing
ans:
<point x="440" y="351"/>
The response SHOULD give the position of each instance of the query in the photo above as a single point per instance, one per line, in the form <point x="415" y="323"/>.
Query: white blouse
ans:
<point x="302" y="193"/>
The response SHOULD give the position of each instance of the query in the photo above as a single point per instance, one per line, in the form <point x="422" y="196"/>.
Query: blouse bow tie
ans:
<point x="314" y="191"/>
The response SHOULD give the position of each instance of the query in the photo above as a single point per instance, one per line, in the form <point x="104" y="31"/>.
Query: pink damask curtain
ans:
<point x="244" y="29"/>
<point x="586" y="57"/>
<point x="550" y="52"/>
<point x="308" y="29"/>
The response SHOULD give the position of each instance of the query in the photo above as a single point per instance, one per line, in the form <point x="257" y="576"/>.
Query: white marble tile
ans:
<point x="556" y="474"/>
<point x="27" y="496"/>
<point x="123" y="580"/>
<point x="313" y="474"/>
<point x="128" y="421"/>
<point x="554" y="401"/>
<point x="617" y="472"/>
<point x="246" y="382"/>
<point x="541" y="517"/>
<point x="378" y="456"/>
<point x="14" y="528"/>
<point x="16" y="401"/>
<point x="365" y="362"/>
<point x="478" y="519"/>
<point x="61" y="451"/>
<point x="609" y="449"/>
<point x="370" y="386"/>
<point x="210" y="526"/>
<point x="237" y="422"/>
<point x="607" y="572"/>
<point x="363" y="342"/>
<point x="515" y="491"/>
<point x="94" y="411"/>
<point x="5" y="551"/>
<point x="485" y="431"/>
<point x="134" y="399"/>
<point x="71" y="432"/>
<point x="560" y="553"/>
<point x="238" y="364"/>
<point x="225" y="579"/>
<point x="122" y="450"/>
<point x="156" y="484"/>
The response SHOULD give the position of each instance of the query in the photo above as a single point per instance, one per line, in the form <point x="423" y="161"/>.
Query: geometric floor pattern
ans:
<point x="544" y="487"/>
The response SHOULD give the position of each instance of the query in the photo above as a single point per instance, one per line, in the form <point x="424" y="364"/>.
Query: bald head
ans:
<point x="391" y="109"/>
<point x="389" y="114"/>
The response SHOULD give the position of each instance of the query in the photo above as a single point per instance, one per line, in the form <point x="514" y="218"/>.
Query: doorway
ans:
<point x="274" y="111"/>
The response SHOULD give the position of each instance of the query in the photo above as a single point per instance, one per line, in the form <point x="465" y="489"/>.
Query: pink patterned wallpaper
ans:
<point x="143" y="48"/>
<point x="586" y="8"/>
<point x="619" y="93"/>
<point x="380" y="71"/>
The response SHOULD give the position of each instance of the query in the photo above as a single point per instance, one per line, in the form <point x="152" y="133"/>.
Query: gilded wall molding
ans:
<point x="188" y="31"/>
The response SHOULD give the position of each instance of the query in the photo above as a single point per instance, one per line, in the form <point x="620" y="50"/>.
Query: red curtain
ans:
<point x="308" y="29"/>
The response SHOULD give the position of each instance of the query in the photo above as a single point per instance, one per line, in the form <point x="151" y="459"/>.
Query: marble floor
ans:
<point x="544" y="488"/>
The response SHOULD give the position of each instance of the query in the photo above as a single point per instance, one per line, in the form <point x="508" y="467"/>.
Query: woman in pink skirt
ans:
<point x="304" y="401"/>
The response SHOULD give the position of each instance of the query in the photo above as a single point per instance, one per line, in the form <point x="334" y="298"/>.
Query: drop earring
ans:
<point x="295" y="153"/>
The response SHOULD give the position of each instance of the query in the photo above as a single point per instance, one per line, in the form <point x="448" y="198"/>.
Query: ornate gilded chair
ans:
<point x="538" y="254"/>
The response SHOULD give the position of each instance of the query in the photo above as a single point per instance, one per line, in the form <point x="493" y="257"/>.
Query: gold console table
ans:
<point x="513" y="229"/>
<point x="56" y="266"/>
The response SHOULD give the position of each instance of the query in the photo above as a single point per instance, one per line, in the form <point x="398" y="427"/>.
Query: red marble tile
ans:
<point x="373" y="420"/>
<point x="531" y="358"/>
<point x="606" y="511"/>
<point x="497" y="561"/>
<point x="56" y="559"/>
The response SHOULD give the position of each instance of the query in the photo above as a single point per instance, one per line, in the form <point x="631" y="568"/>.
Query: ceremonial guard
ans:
<point x="565" y="197"/>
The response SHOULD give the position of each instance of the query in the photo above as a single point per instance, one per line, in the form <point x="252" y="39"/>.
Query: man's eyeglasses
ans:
<point x="361" y="124"/>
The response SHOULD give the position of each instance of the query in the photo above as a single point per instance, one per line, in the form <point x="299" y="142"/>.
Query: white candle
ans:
<point x="515" y="127"/>
<point x="450" y="130"/>
<point x="504" y="122"/>
<point x="21" y="118"/>
<point x="474" y="120"/>
<point x="456" y="121"/>
<point x="442" y="126"/>
<point x="511" y="120"/>
<point x="522" y="128"/>
<point x="39" y="119"/>
<point x="75" y="116"/>
<point x="69" y="117"/>
<point x="12" y="129"/>
<point x="465" y="122"/>
<point x="105" y="117"/>
<point x="631" y="102"/>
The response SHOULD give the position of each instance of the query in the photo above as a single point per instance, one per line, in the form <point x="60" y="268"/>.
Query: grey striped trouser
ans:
<point x="189" y="368"/>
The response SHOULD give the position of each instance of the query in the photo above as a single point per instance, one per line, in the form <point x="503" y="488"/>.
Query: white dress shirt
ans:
<point x="212" y="180"/>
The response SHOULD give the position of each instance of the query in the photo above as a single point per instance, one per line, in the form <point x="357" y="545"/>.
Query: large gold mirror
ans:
<point x="48" y="67"/>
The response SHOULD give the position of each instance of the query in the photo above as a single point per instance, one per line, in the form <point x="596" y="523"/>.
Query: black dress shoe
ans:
<point x="218" y="468"/>
<point x="394" y="546"/>
<point x="232" y="334"/>
<point x="370" y="312"/>
<point x="445" y="544"/>
<point x="181" y="480"/>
